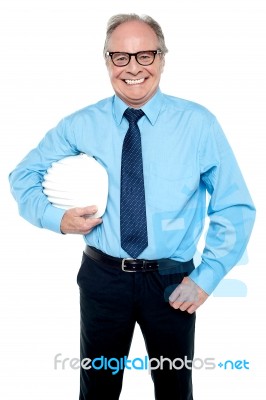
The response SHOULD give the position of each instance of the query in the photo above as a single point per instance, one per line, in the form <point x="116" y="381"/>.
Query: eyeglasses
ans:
<point x="143" y="57"/>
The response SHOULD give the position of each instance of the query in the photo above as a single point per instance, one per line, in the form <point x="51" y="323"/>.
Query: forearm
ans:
<point x="226" y="241"/>
<point x="26" y="188"/>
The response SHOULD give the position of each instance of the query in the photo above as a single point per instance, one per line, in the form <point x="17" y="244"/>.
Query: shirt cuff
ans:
<point x="52" y="218"/>
<point x="205" y="277"/>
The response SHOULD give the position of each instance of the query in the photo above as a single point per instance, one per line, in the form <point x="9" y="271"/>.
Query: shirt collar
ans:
<point x="151" y="108"/>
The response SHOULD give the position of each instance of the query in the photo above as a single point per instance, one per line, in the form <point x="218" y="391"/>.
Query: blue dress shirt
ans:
<point x="185" y="156"/>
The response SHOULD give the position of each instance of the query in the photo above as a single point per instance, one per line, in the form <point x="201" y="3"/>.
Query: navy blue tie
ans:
<point x="133" y="222"/>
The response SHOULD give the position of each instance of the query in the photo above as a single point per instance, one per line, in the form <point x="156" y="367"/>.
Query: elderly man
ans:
<point x="162" y="155"/>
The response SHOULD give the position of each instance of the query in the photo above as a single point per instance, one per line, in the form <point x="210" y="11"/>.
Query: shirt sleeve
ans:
<point x="230" y="210"/>
<point x="26" y="179"/>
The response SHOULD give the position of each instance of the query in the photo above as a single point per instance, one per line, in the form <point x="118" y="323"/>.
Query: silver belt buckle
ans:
<point x="123" y="264"/>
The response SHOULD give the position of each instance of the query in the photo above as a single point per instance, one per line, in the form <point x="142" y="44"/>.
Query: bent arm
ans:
<point x="26" y="179"/>
<point x="231" y="211"/>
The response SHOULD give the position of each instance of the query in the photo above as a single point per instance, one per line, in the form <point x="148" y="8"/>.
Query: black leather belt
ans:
<point x="138" y="265"/>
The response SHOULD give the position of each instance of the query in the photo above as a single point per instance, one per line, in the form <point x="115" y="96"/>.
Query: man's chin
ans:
<point x="136" y="98"/>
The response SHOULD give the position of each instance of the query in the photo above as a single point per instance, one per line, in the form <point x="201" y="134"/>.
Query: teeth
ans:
<point x="134" y="82"/>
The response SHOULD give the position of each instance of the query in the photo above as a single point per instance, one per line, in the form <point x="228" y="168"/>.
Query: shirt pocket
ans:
<point x="168" y="188"/>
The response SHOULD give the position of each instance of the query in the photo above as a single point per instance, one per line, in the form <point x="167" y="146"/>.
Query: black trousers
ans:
<point x="111" y="302"/>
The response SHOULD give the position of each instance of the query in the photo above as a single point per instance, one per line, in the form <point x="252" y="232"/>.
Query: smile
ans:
<point x="134" y="81"/>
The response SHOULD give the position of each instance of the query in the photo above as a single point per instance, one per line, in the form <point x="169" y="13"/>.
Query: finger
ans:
<point x="192" y="308"/>
<point x="176" y="304"/>
<point x="175" y="294"/>
<point x="88" y="224"/>
<point x="181" y="305"/>
<point x="91" y="223"/>
<point x="183" y="294"/>
<point x="86" y="211"/>
<point x="185" y="306"/>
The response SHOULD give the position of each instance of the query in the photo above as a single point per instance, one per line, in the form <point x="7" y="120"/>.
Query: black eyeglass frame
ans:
<point x="111" y="53"/>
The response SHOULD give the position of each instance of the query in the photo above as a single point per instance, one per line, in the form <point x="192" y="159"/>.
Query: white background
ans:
<point x="51" y="65"/>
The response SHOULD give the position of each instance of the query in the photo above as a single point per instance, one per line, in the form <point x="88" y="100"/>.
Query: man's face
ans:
<point x="135" y="84"/>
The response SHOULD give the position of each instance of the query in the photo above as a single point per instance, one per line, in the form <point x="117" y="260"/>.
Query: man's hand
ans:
<point x="79" y="220"/>
<point x="188" y="296"/>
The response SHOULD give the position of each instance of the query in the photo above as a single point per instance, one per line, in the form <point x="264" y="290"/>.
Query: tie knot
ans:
<point x="133" y="114"/>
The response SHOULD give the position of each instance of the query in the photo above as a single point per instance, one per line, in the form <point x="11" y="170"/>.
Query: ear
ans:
<point x="108" y="64"/>
<point x="106" y="60"/>
<point x="162" y="63"/>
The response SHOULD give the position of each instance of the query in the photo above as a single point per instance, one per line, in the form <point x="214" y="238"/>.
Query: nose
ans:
<point x="133" y="67"/>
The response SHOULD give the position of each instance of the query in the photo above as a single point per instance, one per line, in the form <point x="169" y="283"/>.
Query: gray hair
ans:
<point x="119" y="19"/>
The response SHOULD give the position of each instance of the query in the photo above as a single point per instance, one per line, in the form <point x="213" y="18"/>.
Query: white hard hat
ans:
<point x="77" y="181"/>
